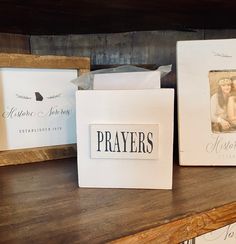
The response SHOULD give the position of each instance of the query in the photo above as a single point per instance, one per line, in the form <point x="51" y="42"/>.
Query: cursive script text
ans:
<point x="219" y="145"/>
<point x="14" y="112"/>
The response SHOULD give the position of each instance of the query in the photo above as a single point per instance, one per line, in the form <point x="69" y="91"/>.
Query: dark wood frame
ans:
<point x="82" y="64"/>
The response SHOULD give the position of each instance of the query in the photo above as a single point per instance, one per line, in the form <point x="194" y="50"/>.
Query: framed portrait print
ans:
<point x="206" y="74"/>
<point x="37" y="107"/>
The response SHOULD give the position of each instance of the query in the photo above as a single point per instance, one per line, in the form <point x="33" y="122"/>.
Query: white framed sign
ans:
<point x="125" y="138"/>
<point x="206" y="102"/>
<point x="37" y="107"/>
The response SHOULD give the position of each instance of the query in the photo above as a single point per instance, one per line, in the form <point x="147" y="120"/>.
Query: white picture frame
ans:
<point x="203" y="68"/>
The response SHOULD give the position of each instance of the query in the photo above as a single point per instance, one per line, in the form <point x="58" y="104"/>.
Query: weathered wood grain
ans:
<point x="46" y="61"/>
<point x="13" y="43"/>
<point x="33" y="155"/>
<point x="41" y="203"/>
<point x="220" y="34"/>
<point x="185" y="228"/>
<point x="138" y="48"/>
<point x="146" y="47"/>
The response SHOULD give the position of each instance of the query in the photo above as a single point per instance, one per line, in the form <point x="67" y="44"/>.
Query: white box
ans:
<point x="136" y="111"/>
<point x="128" y="80"/>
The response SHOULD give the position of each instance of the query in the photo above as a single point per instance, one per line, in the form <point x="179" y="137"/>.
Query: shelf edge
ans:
<point x="186" y="228"/>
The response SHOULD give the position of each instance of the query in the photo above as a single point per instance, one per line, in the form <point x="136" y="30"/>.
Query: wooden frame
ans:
<point x="34" y="61"/>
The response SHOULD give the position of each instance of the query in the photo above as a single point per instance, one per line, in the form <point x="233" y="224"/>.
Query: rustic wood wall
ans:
<point x="147" y="47"/>
<point x="14" y="43"/>
<point x="150" y="47"/>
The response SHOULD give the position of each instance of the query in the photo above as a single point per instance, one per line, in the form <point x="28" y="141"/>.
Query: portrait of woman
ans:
<point x="219" y="106"/>
<point x="231" y="107"/>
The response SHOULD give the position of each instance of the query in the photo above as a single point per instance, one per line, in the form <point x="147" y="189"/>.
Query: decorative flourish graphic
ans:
<point x="23" y="97"/>
<point x="38" y="96"/>
<point x="54" y="96"/>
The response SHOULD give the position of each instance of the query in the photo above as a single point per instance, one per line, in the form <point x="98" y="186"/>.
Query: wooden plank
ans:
<point x="151" y="48"/>
<point x="14" y="43"/>
<point x="50" y="62"/>
<point x="159" y="47"/>
<point x="112" y="48"/>
<point x="35" y="61"/>
<point x="146" y="47"/>
<point x="43" y="199"/>
<point x="101" y="48"/>
<point x="220" y="34"/>
<point x="69" y="45"/>
<point x="33" y="155"/>
<point x="186" y="228"/>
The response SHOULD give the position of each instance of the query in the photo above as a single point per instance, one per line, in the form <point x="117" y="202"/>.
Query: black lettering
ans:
<point x="141" y="146"/>
<point x="108" y="141"/>
<point x="124" y="139"/>
<point x="116" y="144"/>
<point x="132" y="147"/>
<point x="100" y="139"/>
<point x="149" y="137"/>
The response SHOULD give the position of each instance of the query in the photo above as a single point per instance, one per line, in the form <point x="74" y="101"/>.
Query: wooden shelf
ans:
<point x="41" y="203"/>
<point x="74" y="17"/>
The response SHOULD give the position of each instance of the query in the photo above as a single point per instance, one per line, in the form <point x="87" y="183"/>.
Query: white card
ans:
<point x="206" y="128"/>
<point x="37" y="107"/>
<point x="129" y="111"/>
<point x="127" y="81"/>
<point x="225" y="235"/>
